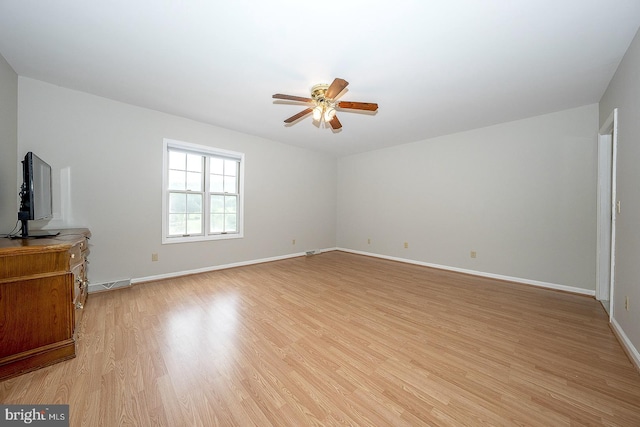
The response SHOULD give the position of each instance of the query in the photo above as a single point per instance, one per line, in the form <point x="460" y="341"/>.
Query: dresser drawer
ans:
<point x="79" y="280"/>
<point x="33" y="262"/>
<point x="78" y="304"/>
<point x="75" y="255"/>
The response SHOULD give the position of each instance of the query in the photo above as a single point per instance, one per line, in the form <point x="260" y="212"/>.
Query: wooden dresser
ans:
<point x="43" y="289"/>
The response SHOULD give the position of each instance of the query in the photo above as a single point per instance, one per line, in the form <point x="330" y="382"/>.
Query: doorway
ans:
<point x="607" y="206"/>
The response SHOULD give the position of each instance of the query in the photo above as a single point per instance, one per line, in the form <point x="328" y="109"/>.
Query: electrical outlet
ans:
<point x="406" y="245"/>
<point x="626" y="303"/>
<point x="368" y="241"/>
<point x="154" y="257"/>
<point x="293" y="242"/>
<point x="473" y="254"/>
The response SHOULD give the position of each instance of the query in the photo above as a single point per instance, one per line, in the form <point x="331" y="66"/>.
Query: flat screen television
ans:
<point x="35" y="194"/>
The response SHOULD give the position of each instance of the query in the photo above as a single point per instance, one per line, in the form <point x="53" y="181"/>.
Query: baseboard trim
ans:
<point x="222" y="267"/>
<point x="128" y="282"/>
<point x="626" y="343"/>
<point x="547" y="285"/>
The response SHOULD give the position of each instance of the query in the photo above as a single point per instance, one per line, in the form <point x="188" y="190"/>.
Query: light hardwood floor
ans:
<point x="339" y="339"/>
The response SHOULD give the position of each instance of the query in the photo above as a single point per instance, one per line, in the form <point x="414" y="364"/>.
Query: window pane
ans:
<point x="194" y="203"/>
<point x="177" y="203"/>
<point x="231" y="167"/>
<point x="177" y="224"/>
<point x="230" y="204"/>
<point x="194" y="181"/>
<point x="194" y="163"/>
<point x="217" y="204"/>
<point x="217" y="223"/>
<point x="192" y="174"/>
<point x="230" y="223"/>
<point x="177" y="160"/>
<point x="230" y="184"/>
<point x="194" y="224"/>
<point x="217" y="166"/>
<point x="177" y="180"/>
<point x="216" y="183"/>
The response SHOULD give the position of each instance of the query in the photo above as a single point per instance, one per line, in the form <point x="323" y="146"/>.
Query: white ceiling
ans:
<point x="434" y="67"/>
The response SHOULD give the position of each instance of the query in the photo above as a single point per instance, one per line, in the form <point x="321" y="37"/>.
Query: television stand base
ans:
<point x="38" y="234"/>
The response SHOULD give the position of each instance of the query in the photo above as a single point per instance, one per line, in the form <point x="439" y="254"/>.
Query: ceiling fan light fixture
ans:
<point x="329" y="114"/>
<point x="317" y="112"/>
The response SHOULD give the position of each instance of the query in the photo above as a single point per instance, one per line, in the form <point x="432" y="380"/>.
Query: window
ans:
<point x="202" y="193"/>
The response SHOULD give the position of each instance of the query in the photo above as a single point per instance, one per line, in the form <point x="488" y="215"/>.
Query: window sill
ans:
<point x="190" y="239"/>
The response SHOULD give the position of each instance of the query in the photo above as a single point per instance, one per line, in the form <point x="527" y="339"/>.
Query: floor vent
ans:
<point x="107" y="286"/>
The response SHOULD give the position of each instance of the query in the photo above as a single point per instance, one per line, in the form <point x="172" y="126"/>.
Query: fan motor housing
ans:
<point x="318" y="92"/>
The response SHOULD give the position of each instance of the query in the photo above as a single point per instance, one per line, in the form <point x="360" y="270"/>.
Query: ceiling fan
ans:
<point x="324" y="105"/>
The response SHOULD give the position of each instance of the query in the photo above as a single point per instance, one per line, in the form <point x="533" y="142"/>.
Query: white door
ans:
<point x="607" y="207"/>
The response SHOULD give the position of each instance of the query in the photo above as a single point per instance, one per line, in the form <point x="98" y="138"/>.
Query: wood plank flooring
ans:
<point x="339" y="339"/>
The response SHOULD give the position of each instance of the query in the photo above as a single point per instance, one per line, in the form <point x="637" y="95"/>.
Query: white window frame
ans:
<point x="205" y="151"/>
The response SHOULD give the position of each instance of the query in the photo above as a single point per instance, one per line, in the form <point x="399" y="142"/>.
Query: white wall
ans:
<point x="624" y="93"/>
<point x="113" y="152"/>
<point x="8" y="146"/>
<point x="521" y="194"/>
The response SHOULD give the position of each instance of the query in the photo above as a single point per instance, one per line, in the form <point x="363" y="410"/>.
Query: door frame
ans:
<point x="606" y="222"/>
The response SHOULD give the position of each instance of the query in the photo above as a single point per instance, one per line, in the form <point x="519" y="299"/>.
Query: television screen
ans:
<point x="39" y="182"/>
<point x="35" y="196"/>
<point x="36" y="189"/>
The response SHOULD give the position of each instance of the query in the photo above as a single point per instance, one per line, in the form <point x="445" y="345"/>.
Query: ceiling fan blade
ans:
<point x="336" y="87"/>
<point x="292" y="97"/>
<point x="335" y="123"/>
<point x="369" y="106"/>
<point x="299" y="115"/>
